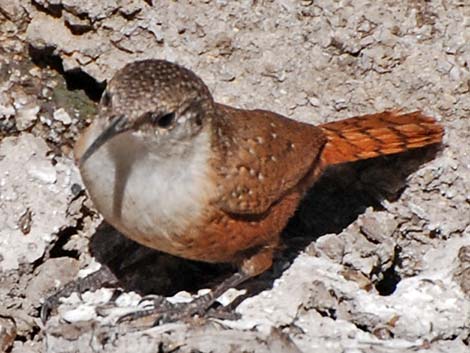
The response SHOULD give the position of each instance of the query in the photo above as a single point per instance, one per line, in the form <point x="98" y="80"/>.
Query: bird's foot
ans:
<point x="96" y="280"/>
<point x="163" y="311"/>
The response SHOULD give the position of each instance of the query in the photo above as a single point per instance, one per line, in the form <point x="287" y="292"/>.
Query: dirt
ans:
<point x="377" y="256"/>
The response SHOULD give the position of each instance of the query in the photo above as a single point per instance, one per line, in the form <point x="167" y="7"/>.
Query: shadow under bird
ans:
<point x="173" y="170"/>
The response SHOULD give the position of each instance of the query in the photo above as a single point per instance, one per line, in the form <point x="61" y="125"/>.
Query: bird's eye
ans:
<point x="164" y="120"/>
<point x="198" y="119"/>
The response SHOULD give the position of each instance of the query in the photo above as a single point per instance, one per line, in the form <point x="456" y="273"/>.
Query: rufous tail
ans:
<point x="376" y="135"/>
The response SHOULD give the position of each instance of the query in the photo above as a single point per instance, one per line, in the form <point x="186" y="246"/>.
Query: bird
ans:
<point x="173" y="170"/>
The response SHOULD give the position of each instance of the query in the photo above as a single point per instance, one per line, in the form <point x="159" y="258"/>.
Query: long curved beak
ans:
<point x="118" y="125"/>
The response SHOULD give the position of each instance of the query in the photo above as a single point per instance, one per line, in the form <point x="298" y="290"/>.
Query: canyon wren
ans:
<point x="173" y="170"/>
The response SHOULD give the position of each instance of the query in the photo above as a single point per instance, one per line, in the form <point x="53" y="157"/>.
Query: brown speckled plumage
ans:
<point x="242" y="173"/>
<point x="258" y="157"/>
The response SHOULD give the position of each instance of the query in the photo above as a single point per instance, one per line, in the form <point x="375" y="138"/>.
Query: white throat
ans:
<point x="146" y="194"/>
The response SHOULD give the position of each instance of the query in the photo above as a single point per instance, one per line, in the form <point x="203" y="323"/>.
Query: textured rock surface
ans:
<point x="389" y="270"/>
<point x="35" y="195"/>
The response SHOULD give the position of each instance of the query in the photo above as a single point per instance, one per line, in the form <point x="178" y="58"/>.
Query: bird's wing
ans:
<point x="261" y="157"/>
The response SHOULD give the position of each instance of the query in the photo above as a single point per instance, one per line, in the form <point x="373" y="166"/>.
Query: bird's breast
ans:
<point x="149" y="197"/>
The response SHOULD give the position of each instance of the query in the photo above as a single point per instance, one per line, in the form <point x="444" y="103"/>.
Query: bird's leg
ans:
<point x="96" y="280"/>
<point x="164" y="311"/>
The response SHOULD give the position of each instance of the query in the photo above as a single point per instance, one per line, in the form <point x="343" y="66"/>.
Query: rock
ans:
<point x="26" y="117"/>
<point x="62" y="116"/>
<point x="7" y="333"/>
<point x="54" y="273"/>
<point x="30" y="183"/>
<point x="316" y="62"/>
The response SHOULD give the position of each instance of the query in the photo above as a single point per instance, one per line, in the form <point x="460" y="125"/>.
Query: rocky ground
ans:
<point x="378" y="256"/>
